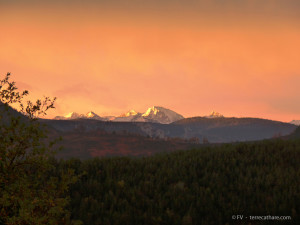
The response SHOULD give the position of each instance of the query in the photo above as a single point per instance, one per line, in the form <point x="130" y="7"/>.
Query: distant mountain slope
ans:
<point x="215" y="130"/>
<point x="223" y="129"/>
<point x="7" y="111"/>
<point x="295" y="134"/>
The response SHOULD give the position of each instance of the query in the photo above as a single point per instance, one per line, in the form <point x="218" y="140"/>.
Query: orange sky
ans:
<point x="238" y="59"/>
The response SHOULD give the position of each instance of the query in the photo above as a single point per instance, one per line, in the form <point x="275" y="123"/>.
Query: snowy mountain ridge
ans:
<point x="161" y="115"/>
<point x="295" y="122"/>
<point x="214" y="114"/>
<point x="155" y="114"/>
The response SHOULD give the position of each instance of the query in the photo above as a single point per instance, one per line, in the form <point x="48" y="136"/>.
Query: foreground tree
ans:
<point x="32" y="190"/>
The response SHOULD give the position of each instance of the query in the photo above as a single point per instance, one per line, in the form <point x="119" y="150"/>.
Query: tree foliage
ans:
<point x="30" y="192"/>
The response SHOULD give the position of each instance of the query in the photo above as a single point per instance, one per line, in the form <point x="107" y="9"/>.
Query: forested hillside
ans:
<point x="200" y="186"/>
<point x="86" y="145"/>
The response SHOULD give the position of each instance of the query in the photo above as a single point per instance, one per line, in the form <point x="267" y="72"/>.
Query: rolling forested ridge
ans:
<point x="202" y="186"/>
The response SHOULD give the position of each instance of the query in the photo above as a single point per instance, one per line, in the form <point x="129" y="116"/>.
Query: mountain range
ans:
<point x="217" y="130"/>
<point x="153" y="131"/>
<point x="155" y="114"/>
<point x="88" y="138"/>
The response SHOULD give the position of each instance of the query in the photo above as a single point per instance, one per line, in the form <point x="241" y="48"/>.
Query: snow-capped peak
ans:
<point x="295" y="122"/>
<point x="161" y="115"/>
<point x="156" y="114"/>
<point x="73" y="115"/>
<point x="214" y="114"/>
<point x="153" y="110"/>
<point x="69" y="115"/>
<point x="129" y="113"/>
<point x="91" y="114"/>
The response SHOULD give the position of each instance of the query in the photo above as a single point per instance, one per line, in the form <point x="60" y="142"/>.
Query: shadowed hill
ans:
<point x="7" y="112"/>
<point x="215" y="130"/>
<point x="85" y="145"/>
<point x="295" y="134"/>
<point x="233" y="129"/>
